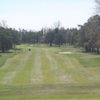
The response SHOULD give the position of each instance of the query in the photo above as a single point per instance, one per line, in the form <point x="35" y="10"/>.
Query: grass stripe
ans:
<point x="8" y="68"/>
<point x="62" y="75"/>
<point x="23" y="76"/>
<point x="67" y="65"/>
<point x="36" y="73"/>
<point x="48" y="76"/>
<point x="70" y="68"/>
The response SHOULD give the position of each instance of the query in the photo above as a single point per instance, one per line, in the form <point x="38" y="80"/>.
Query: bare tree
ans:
<point x="57" y="24"/>
<point x="3" y="24"/>
<point x="97" y="6"/>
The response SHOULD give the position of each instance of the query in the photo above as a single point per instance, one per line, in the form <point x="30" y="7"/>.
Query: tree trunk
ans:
<point x="98" y="51"/>
<point x="50" y="44"/>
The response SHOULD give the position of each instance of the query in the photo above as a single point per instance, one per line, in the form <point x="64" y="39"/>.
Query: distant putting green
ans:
<point x="45" y="73"/>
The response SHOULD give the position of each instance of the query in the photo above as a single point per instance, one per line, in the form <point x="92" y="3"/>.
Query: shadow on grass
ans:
<point x="11" y="51"/>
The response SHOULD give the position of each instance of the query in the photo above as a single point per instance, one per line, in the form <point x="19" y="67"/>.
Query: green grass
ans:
<point x="44" y="74"/>
<point x="4" y="57"/>
<point x="86" y="59"/>
<point x="76" y="97"/>
<point x="48" y="75"/>
<point x="23" y="76"/>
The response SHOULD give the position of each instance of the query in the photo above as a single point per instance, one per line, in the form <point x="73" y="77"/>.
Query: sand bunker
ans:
<point x="65" y="52"/>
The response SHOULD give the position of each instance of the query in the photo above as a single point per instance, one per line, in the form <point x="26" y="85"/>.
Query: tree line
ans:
<point x="8" y="39"/>
<point x="86" y="36"/>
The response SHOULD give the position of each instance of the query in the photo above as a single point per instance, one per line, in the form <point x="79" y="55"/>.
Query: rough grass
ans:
<point x="44" y="74"/>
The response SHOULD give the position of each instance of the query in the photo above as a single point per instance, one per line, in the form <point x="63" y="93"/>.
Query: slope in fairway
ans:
<point x="45" y="74"/>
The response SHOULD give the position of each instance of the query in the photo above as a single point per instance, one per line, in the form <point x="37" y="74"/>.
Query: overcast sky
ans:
<point x="35" y="14"/>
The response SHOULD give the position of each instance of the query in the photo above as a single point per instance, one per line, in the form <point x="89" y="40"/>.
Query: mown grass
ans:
<point x="48" y="76"/>
<point x="88" y="64"/>
<point x="23" y="76"/>
<point x="70" y="97"/>
<point x="86" y="59"/>
<point x="4" y="57"/>
<point x="76" y="68"/>
<point x="71" y="66"/>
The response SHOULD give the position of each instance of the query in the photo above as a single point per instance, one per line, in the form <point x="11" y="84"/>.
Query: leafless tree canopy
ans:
<point x="3" y="23"/>
<point x="97" y="6"/>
